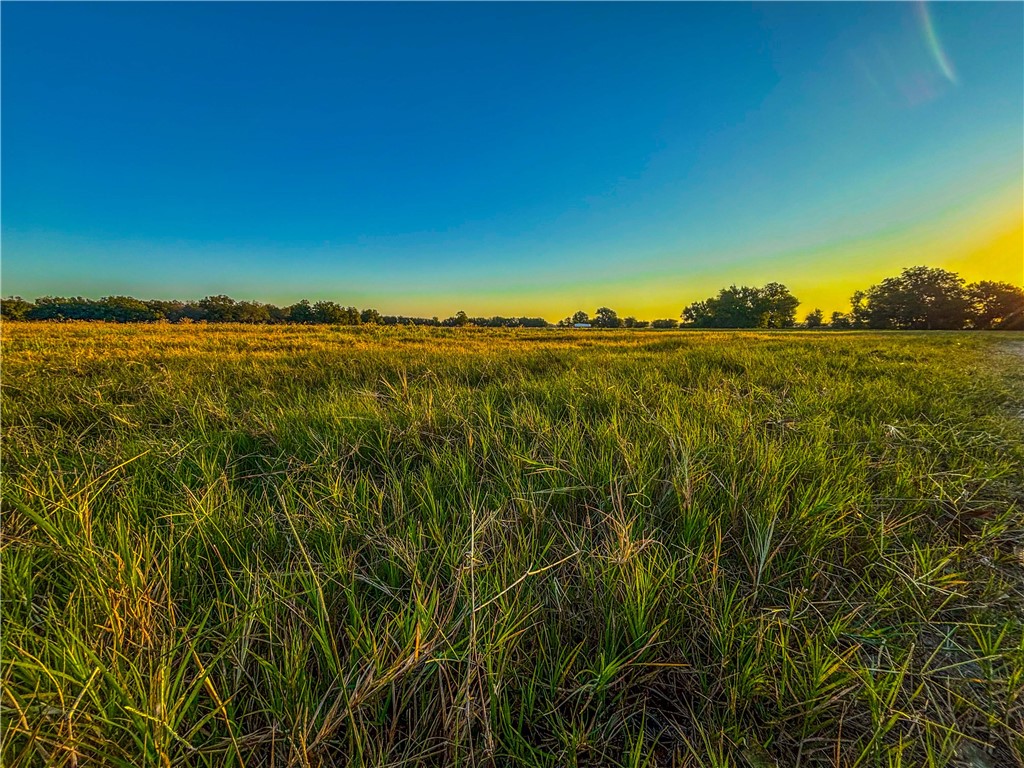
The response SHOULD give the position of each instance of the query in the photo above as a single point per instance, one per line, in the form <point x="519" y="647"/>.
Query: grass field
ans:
<point x="283" y="546"/>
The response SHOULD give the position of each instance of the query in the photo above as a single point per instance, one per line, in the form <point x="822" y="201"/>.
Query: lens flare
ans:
<point x="934" y="44"/>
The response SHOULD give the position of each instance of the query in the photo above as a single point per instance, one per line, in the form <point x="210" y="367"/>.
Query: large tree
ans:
<point x="301" y="312"/>
<point x="921" y="298"/>
<point x="771" y="306"/>
<point x="219" y="309"/>
<point x="332" y="313"/>
<point x="579" y="316"/>
<point x="251" y="312"/>
<point x="777" y="307"/>
<point x="996" y="305"/>
<point x="607" y="318"/>
<point x="125" y="309"/>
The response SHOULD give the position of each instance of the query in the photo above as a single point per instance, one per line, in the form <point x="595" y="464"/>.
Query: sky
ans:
<point x="527" y="159"/>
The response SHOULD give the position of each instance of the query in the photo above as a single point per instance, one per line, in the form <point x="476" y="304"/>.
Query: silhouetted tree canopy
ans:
<point x="607" y="318"/>
<point x="509" y="322"/>
<point x="841" y="321"/>
<point x="331" y="313"/>
<point x="576" y="318"/>
<point x="928" y="298"/>
<point x="301" y="312"/>
<point x="772" y="306"/>
<point x="219" y="309"/>
<point x="815" y="319"/>
<point x="62" y="308"/>
<point x="921" y="298"/>
<point x="458" y="320"/>
<point x="996" y="305"/>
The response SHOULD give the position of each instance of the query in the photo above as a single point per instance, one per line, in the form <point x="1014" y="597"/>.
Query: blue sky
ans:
<point x="512" y="158"/>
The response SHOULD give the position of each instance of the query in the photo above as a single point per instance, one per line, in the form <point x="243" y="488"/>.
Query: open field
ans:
<point x="283" y="546"/>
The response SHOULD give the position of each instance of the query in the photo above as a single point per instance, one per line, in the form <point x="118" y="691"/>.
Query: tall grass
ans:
<point x="310" y="547"/>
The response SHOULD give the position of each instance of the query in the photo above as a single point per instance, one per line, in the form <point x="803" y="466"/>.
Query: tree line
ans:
<point x="224" y="309"/>
<point x="920" y="298"/>
<point x="609" y="318"/>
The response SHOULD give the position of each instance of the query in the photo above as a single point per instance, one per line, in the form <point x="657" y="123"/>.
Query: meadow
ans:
<point x="288" y="546"/>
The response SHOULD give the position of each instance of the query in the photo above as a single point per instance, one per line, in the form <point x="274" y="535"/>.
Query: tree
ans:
<point x="815" y="319"/>
<point x="14" y="308"/>
<point x="921" y="298"/>
<point x="607" y="318"/>
<point x="191" y="312"/>
<point x="698" y="314"/>
<point x="841" y="322"/>
<point x="996" y="306"/>
<point x="859" y="316"/>
<point x="772" y="306"/>
<point x="533" y="322"/>
<point x="251" y="312"/>
<point x="301" y="312"/>
<point x="166" y="310"/>
<point x="576" y="318"/>
<point x="278" y="314"/>
<point x="670" y="322"/>
<point x="775" y="306"/>
<point x="458" y="320"/>
<point x="219" y="309"/>
<point x="125" y="309"/>
<point x="63" y="308"/>
<point x="331" y="313"/>
<point x="370" y="316"/>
